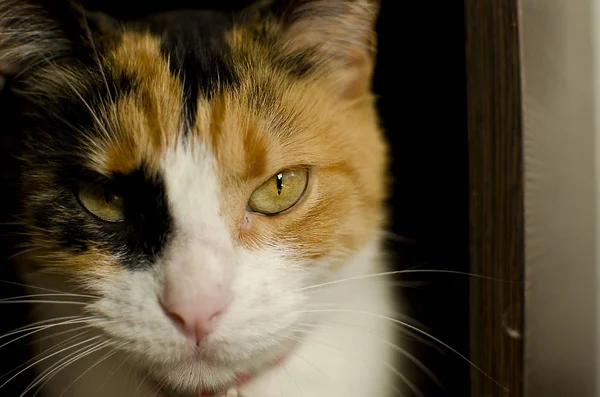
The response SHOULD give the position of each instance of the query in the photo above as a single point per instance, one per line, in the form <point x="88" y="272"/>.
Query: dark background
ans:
<point x="420" y="81"/>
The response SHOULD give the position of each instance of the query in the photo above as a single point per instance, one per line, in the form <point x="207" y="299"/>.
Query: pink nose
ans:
<point x="196" y="317"/>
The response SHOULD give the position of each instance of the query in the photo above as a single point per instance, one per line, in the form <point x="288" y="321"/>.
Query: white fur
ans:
<point x="342" y="353"/>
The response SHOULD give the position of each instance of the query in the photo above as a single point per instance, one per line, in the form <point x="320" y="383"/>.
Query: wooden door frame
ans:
<point x="496" y="224"/>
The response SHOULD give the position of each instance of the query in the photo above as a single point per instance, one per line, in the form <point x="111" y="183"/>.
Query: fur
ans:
<point x="189" y="118"/>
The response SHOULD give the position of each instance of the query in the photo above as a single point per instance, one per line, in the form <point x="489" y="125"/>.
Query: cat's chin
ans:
<point x="167" y="392"/>
<point x="240" y="373"/>
<point x="223" y="390"/>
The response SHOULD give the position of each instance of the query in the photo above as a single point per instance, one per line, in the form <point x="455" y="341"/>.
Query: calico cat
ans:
<point x="200" y="200"/>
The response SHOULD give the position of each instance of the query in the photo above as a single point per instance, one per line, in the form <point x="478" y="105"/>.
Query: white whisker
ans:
<point x="141" y="383"/>
<point x="76" y="329"/>
<point x="105" y="357"/>
<point x="89" y="108"/>
<point x="292" y="379"/>
<point x="41" y="288"/>
<point x="43" y="301"/>
<point x="43" y="359"/>
<point x="37" y="329"/>
<point x="397" y="272"/>
<point x="391" y="367"/>
<point x="414" y="360"/>
<point x="36" y="295"/>
<point x="114" y="371"/>
<point x="23" y="252"/>
<point x="344" y="356"/>
<point x="37" y="323"/>
<point x="381" y="316"/>
<point x="54" y="369"/>
<point x="49" y="350"/>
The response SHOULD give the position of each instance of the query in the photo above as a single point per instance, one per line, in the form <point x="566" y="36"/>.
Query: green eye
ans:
<point x="281" y="192"/>
<point x="102" y="202"/>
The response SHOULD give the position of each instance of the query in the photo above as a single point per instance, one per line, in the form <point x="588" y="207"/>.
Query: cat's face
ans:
<point x="196" y="176"/>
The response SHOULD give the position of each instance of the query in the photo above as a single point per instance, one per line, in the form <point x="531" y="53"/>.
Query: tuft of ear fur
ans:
<point x="30" y="33"/>
<point x="340" y="32"/>
<point x="34" y="32"/>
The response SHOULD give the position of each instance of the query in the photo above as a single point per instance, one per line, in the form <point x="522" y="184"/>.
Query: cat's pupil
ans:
<point x="279" y="183"/>
<point x="110" y="197"/>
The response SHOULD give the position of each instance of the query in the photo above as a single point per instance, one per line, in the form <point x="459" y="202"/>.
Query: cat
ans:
<point x="201" y="199"/>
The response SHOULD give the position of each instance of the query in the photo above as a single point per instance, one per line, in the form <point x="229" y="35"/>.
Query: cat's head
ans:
<point x="195" y="172"/>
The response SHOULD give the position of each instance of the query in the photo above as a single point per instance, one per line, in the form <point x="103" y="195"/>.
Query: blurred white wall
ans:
<point x="560" y="47"/>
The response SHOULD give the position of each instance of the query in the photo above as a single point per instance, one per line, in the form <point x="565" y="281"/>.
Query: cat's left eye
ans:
<point x="279" y="193"/>
<point x="101" y="201"/>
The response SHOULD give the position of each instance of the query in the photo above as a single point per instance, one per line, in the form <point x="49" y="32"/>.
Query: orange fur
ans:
<point x="271" y="122"/>
<point x="145" y="121"/>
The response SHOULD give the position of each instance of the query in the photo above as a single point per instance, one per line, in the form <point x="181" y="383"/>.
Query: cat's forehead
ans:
<point x="252" y="116"/>
<point x="193" y="119"/>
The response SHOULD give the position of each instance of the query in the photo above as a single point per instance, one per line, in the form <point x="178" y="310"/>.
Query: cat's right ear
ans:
<point x="36" y="32"/>
<point x="31" y="32"/>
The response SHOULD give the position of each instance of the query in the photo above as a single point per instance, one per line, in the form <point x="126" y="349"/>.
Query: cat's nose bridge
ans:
<point x="197" y="289"/>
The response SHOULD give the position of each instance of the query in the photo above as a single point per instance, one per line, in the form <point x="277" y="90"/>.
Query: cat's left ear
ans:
<point x="339" y="35"/>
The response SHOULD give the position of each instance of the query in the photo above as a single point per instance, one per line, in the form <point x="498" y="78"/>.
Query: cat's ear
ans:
<point x="29" y="33"/>
<point x="34" y="32"/>
<point x="340" y="33"/>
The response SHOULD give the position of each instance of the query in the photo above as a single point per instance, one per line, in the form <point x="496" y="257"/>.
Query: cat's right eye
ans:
<point x="102" y="202"/>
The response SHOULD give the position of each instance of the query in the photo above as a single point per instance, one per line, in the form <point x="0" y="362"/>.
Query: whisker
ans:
<point x="408" y="383"/>
<point x="37" y="323"/>
<point x="23" y="252"/>
<point x="344" y="356"/>
<point x="460" y="274"/>
<point x="395" y="347"/>
<point x="159" y="385"/>
<point x="414" y="360"/>
<point x="43" y="359"/>
<point x="40" y="288"/>
<point x="37" y="329"/>
<point x="88" y="107"/>
<point x="314" y="366"/>
<point x="43" y="301"/>
<point x="397" y="272"/>
<point x="37" y="295"/>
<point x="381" y="316"/>
<point x="391" y="367"/>
<point x="106" y="356"/>
<point x="292" y="379"/>
<point x="55" y="347"/>
<point x="54" y="335"/>
<point x="397" y="237"/>
<point x="141" y="383"/>
<point x="61" y="364"/>
<point x="114" y="371"/>
<point x="407" y="333"/>
<point x="97" y="57"/>
<point x="279" y="374"/>
<point x="46" y="375"/>
<point x="35" y="65"/>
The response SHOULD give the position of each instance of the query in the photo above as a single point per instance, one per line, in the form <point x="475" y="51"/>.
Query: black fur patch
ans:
<point x="59" y="121"/>
<point x="147" y="224"/>
<point x="137" y="240"/>
<point x="194" y="42"/>
<point x="299" y="64"/>
<point x="55" y="134"/>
